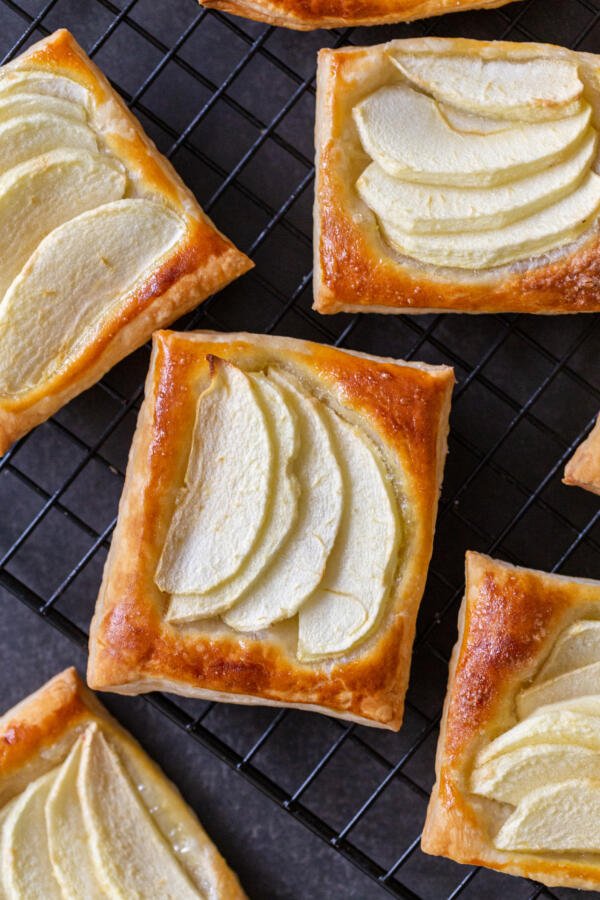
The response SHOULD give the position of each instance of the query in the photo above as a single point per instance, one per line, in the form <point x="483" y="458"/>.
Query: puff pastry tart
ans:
<point x="85" y="813"/>
<point x="457" y="175"/>
<point x="518" y="760"/>
<point x="275" y="528"/>
<point x="583" y="469"/>
<point x="100" y="241"/>
<point x="306" y="15"/>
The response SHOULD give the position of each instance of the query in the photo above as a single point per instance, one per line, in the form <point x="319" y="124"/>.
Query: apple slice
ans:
<point x="72" y="864"/>
<point x="471" y="123"/>
<point x="554" y="226"/>
<point x="427" y="209"/>
<point x="350" y="598"/>
<point x="529" y="89"/>
<point x="563" y="816"/>
<point x="509" y="777"/>
<point x="37" y="82"/>
<point x="298" y="568"/>
<point x="14" y="105"/>
<point x="130" y="854"/>
<point x="279" y="518"/>
<point x="24" y="137"/>
<point x="406" y="134"/>
<point x="232" y="457"/>
<point x="549" y="726"/>
<point x="26" y="866"/>
<point x="81" y="272"/>
<point x="43" y="193"/>
<point x="578" y="645"/>
<point x="576" y="683"/>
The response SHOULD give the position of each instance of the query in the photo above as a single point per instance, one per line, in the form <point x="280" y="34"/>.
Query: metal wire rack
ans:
<point x="231" y="103"/>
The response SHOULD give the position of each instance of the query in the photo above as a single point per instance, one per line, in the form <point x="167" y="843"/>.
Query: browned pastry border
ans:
<point x="508" y="622"/>
<point x="203" y="262"/>
<point x="583" y="469"/>
<point x="404" y="407"/>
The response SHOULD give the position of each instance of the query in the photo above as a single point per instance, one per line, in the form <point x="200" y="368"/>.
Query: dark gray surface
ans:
<point x="528" y="388"/>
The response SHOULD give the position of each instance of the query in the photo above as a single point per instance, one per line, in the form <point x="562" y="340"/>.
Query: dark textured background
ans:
<point x="528" y="388"/>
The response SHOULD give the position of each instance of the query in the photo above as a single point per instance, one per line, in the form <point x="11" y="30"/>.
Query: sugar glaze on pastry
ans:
<point x="478" y="163"/>
<point x="299" y="517"/>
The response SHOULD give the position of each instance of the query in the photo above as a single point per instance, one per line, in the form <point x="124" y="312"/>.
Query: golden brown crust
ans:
<point x="355" y="270"/>
<point x="508" y="623"/>
<point x="38" y="733"/>
<point x="203" y="262"/>
<point x="583" y="469"/>
<point x="132" y="649"/>
<point x="306" y="15"/>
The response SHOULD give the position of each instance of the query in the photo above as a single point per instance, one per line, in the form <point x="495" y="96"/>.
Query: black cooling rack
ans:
<point x="231" y="103"/>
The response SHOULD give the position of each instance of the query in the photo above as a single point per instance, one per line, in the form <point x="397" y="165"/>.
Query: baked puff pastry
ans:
<point x="100" y="241"/>
<point x="303" y="15"/>
<point x="457" y="176"/>
<point x="583" y="469"/>
<point x="85" y="813"/>
<point x="275" y="527"/>
<point x="518" y="759"/>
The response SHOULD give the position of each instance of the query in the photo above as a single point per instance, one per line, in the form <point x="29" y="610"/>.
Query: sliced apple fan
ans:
<point x="303" y="521"/>
<point x="548" y="765"/>
<point x="479" y="162"/>
<point x="62" y="201"/>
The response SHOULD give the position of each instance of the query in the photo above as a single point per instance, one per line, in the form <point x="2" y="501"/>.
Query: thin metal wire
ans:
<point x="425" y="339"/>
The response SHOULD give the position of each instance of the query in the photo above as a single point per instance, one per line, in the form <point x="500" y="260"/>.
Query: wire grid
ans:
<point x="528" y="389"/>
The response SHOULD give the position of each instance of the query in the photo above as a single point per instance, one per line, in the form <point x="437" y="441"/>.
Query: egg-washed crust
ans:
<point x="355" y="269"/>
<point x="508" y="622"/>
<point x="38" y="733"/>
<point x="203" y="262"/>
<point x="306" y="15"/>
<point x="583" y="469"/>
<point x="403" y="406"/>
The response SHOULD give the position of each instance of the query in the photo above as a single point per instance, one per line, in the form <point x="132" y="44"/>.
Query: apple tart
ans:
<point x="85" y="813"/>
<point x="518" y="760"/>
<point x="100" y="241"/>
<point x="583" y="469"/>
<point x="275" y="528"/>
<point x="457" y="175"/>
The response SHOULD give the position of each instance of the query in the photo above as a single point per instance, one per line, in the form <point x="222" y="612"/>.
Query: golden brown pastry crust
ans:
<point x="306" y="15"/>
<point x="508" y="622"/>
<point x="38" y="733"/>
<point x="203" y="262"/>
<point x="583" y="469"/>
<point x="404" y="406"/>
<point x="356" y="271"/>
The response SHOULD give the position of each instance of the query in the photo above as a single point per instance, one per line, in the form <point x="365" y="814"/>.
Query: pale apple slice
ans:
<point x="43" y="193"/>
<point x="507" y="778"/>
<point x="298" y="568"/>
<point x="130" y="855"/>
<point x="24" y="137"/>
<point x="81" y="272"/>
<point x="587" y="705"/>
<point x="471" y="123"/>
<point x="349" y="600"/>
<point x="529" y="89"/>
<point x="427" y="209"/>
<point x="550" y="726"/>
<point x="14" y="105"/>
<point x="26" y="866"/>
<point x="38" y="82"/>
<point x="407" y="135"/>
<point x="578" y="645"/>
<point x="576" y="683"/>
<point x="228" y="486"/>
<point x="72" y="863"/>
<point x="563" y="816"/>
<point x="279" y="518"/>
<point x="554" y="226"/>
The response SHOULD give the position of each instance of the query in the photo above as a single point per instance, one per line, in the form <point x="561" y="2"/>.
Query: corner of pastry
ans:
<point x="275" y="528"/>
<point x="456" y="175"/>
<point x="518" y="759"/>
<point x="100" y="240"/>
<point x="583" y="469"/>
<point x="100" y="816"/>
